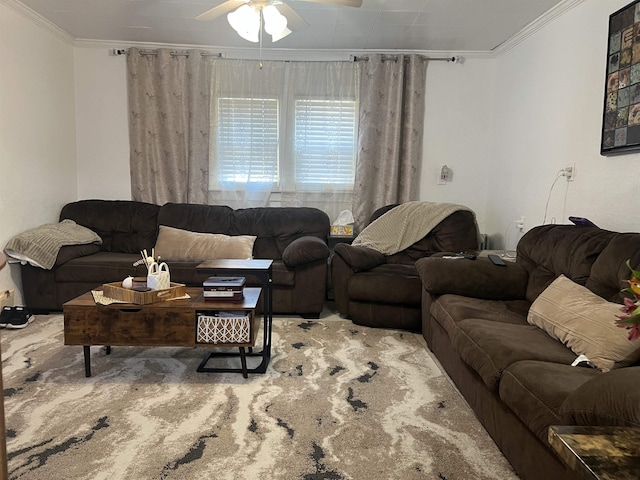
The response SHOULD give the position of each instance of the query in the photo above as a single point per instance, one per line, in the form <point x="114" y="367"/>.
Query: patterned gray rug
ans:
<point x="338" y="402"/>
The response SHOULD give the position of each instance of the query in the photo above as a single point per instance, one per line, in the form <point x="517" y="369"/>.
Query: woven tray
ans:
<point x="115" y="290"/>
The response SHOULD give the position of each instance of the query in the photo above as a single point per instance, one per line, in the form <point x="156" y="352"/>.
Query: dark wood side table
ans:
<point x="601" y="453"/>
<point x="262" y="270"/>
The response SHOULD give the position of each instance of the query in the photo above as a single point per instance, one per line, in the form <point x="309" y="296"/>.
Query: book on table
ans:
<point x="224" y="288"/>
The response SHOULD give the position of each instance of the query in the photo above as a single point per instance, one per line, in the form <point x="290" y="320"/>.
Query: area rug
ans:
<point x="338" y="401"/>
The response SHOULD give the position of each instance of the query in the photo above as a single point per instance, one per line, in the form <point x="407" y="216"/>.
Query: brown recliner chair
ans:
<point x="385" y="291"/>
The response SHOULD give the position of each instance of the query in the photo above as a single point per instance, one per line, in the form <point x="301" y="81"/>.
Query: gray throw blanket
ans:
<point x="40" y="246"/>
<point x="404" y="225"/>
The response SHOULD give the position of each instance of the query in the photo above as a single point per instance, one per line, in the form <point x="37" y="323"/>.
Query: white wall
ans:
<point x="103" y="128"/>
<point x="37" y="128"/>
<point x="547" y="110"/>
<point x="457" y="133"/>
<point x="504" y="125"/>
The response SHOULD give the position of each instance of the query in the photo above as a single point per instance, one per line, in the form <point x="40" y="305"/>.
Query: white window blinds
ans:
<point x="325" y="142"/>
<point x="247" y="140"/>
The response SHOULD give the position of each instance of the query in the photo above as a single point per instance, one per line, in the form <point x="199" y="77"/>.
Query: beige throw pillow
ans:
<point x="585" y="323"/>
<point x="183" y="245"/>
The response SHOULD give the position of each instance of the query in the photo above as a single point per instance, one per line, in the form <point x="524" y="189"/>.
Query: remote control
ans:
<point x="497" y="260"/>
<point x="468" y="256"/>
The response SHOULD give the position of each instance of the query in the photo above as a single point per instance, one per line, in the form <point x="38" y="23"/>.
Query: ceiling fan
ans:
<point x="279" y="19"/>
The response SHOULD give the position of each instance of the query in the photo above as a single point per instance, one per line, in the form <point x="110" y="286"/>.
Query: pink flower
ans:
<point x="634" y="332"/>
<point x="629" y="306"/>
<point x="630" y="318"/>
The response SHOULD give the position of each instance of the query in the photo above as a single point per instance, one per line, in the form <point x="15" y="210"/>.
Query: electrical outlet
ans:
<point x="520" y="224"/>
<point x="569" y="172"/>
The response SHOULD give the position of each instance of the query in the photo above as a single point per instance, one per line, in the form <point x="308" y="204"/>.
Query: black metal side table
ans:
<point x="262" y="270"/>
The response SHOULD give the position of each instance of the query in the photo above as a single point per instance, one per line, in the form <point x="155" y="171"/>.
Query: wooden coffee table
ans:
<point x="170" y="323"/>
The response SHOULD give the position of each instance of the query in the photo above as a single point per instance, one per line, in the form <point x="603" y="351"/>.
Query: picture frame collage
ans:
<point x="621" y="117"/>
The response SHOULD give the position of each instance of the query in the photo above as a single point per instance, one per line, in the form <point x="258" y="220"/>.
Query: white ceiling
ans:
<point x="432" y="25"/>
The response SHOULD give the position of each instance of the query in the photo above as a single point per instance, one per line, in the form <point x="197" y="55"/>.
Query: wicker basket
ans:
<point x="224" y="327"/>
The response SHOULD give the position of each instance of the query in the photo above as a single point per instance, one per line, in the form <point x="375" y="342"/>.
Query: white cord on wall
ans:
<point x="561" y="173"/>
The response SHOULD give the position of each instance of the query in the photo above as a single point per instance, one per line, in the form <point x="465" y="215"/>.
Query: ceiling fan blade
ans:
<point x="346" y="3"/>
<point x="221" y="9"/>
<point x="294" y="21"/>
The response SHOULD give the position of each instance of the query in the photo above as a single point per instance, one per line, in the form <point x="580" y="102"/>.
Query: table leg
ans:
<point x="243" y="361"/>
<point x="87" y="360"/>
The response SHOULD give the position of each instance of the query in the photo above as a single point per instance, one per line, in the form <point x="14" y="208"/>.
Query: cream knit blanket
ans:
<point x="40" y="246"/>
<point x="404" y="225"/>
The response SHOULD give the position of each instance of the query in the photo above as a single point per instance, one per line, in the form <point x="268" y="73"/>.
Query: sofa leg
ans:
<point x="310" y="316"/>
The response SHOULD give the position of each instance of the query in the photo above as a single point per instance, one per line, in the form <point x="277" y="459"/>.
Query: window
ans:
<point x="325" y="142"/>
<point x="247" y="144"/>
<point x="284" y="134"/>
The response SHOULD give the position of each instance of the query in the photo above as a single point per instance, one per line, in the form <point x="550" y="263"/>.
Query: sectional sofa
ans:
<point x="503" y="335"/>
<point x="294" y="238"/>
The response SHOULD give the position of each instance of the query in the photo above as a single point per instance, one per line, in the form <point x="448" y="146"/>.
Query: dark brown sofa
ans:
<point x="517" y="378"/>
<point x="294" y="238"/>
<point x="379" y="290"/>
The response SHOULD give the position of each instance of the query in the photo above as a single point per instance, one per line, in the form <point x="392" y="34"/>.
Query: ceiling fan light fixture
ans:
<point x="274" y="22"/>
<point x="279" y="36"/>
<point x="246" y="21"/>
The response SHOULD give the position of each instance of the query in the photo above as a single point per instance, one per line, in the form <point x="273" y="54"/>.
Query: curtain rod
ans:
<point x="179" y="53"/>
<point x="394" y="57"/>
<point x="176" y="53"/>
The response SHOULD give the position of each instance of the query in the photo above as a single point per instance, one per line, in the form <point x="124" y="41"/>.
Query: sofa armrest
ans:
<point x="359" y="258"/>
<point x="473" y="278"/>
<point x="305" y="250"/>
<point x="610" y="399"/>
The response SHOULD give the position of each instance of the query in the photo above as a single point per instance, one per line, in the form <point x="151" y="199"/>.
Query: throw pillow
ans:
<point x="585" y="323"/>
<point x="183" y="245"/>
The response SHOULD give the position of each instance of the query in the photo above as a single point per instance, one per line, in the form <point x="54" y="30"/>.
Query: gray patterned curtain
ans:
<point x="169" y="125"/>
<point x="390" y="133"/>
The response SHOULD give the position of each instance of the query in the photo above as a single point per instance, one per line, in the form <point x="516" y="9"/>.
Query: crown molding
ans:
<point x="292" y="54"/>
<point x="39" y="20"/>
<point x="539" y="23"/>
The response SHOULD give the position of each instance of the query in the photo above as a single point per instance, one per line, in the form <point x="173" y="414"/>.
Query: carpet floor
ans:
<point x="338" y="401"/>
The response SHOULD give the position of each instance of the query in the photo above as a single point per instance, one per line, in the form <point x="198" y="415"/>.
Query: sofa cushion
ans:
<point x="395" y="284"/>
<point x="585" y="323"/>
<point x="182" y="245"/>
<point x="611" y="398"/>
<point x="535" y="391"/>
<point x="489" y="347"/>
<point x="99" y="268"/>
<point x="448" y="310"/>
<point x="69" y="252"/>
<point x="609" y="274"/>
<point x="550" y="250"/>
<point x="125" y="226"/>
